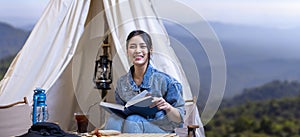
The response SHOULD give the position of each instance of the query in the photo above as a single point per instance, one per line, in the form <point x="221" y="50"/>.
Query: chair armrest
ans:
<point x="16" y="103"/>
<point x="192" y="130"/>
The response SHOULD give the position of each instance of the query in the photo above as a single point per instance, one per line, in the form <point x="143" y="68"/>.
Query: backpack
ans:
<point x="48" y="129"/>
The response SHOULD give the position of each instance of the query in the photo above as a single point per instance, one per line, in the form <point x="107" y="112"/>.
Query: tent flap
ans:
<point x="60" y="53"/>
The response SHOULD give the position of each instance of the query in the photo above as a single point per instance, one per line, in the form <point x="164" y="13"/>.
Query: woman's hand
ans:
<point x="161" y="104"/>
<point x="172" y="112"/>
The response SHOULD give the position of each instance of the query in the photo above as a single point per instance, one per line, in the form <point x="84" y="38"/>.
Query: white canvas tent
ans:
<point x="60" y="53"/>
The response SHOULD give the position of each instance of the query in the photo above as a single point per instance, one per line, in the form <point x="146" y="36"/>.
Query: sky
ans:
<point x="20" y="13"/>
<point x="267" y="13"/>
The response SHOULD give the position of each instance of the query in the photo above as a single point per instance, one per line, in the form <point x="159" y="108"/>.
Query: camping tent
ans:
<point x="60" y="53"/>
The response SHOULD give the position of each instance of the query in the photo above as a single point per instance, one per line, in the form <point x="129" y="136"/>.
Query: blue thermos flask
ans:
<point x="39" y="110"/>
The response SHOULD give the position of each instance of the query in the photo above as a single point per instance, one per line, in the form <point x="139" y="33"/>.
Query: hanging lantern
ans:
<point x="102" y="74"/>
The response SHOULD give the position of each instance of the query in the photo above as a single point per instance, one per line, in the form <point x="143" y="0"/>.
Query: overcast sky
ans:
<point x="270" y="13"/>
<point x="21" y="12"/>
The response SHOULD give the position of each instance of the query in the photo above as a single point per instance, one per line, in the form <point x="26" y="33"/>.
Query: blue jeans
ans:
<point x="132" y="124"/>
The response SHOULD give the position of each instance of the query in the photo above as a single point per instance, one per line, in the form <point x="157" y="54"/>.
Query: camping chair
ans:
<point x="190" y="125"/>
<point x="15" y="118"/>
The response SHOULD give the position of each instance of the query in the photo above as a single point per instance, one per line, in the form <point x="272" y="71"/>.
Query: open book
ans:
<point x="139" y="104"/>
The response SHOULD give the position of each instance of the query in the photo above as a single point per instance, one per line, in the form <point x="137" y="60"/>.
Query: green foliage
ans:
<point x="273" y="90"/>
<point x="4" y="64"/>
<point x="270" y="118"/>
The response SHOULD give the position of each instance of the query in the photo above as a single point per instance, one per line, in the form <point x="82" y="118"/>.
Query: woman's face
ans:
<point x="137" y="51"/>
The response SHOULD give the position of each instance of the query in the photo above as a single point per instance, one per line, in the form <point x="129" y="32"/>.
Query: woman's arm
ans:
<point x="117" y="96"/>
<point x="172" y="102"/>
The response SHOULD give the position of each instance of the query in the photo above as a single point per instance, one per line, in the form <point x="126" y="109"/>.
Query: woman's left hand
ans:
<point x="161" y="103"/>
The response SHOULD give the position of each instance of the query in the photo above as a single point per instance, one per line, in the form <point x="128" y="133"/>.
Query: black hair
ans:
<point x="145" y="36"/>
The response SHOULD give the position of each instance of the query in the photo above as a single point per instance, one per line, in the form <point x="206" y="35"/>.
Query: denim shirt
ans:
<point x="158" y="84"/>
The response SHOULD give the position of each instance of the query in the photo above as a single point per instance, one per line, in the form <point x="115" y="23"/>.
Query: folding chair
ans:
<point x="15" y="118"/>
<point x="192" y="124"/>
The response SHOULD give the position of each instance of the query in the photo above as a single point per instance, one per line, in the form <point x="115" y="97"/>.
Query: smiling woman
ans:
<point x="166" y="90"/>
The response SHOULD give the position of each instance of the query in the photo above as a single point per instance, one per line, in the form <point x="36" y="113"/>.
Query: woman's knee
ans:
<point x="114" y="122"/>
<point x="136" y="118"/>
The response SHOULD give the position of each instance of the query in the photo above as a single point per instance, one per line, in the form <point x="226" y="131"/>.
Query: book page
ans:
<point x="138" y="96"/>
<point x="141" y="102"/>
<point x="112" y="105"/>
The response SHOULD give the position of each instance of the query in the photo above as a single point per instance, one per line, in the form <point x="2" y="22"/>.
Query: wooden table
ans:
<point x="146" y="135"/>
<point x="135" y="135"/>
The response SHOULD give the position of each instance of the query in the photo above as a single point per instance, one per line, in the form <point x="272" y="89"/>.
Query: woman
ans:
<point x="142" y="76"/>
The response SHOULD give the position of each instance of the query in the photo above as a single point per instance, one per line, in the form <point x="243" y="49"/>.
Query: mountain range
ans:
<point x="12" y="39"/>
<point x="268" y="118"/>
<point x="268" y="110"/>
<point x="254" y="55"/>
<point x="269" y="91"/>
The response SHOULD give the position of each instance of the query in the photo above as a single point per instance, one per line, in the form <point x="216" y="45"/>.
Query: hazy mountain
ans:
<point x="11" y="40"/>
<point x="244" y="43"/>
<point x="256" y="43"/>
<point x="28" y="27"/>
<point x="254" y="55"/>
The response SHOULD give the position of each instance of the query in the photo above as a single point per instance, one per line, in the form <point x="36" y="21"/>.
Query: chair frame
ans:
<point x="16" y="103"/>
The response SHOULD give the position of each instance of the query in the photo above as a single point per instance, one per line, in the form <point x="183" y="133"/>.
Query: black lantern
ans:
<point x="102" y="74"/>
